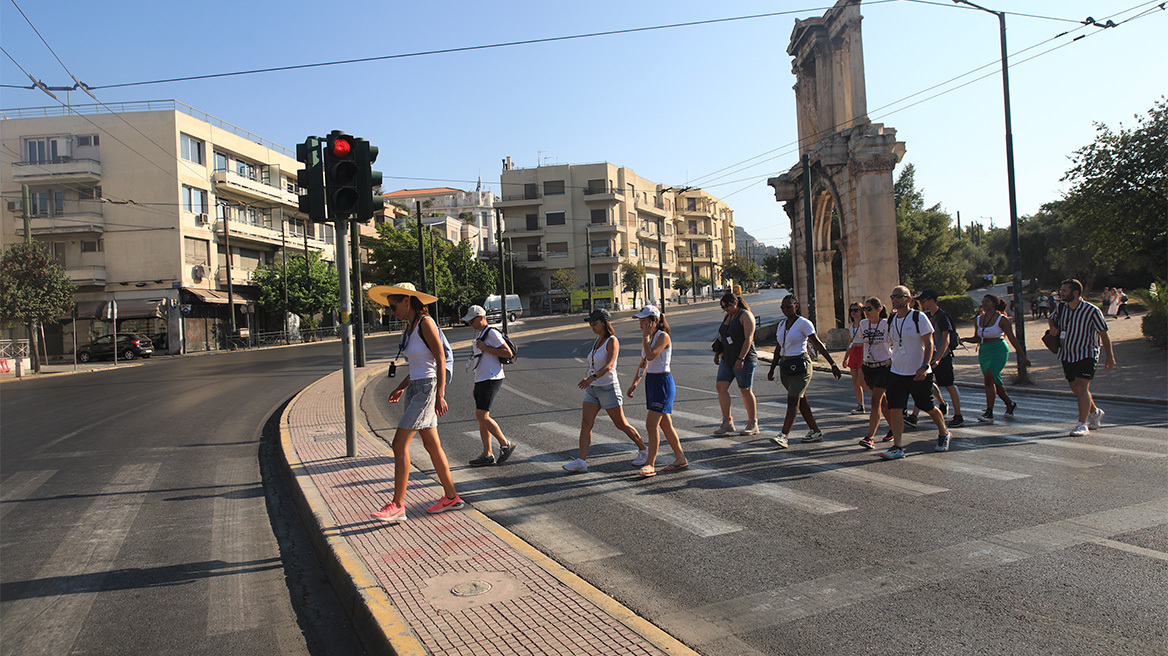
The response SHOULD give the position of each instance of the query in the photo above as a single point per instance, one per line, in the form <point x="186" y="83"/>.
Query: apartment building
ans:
<point x="458" y="215"/>
<point x="585" y="220"/>
<point x="142" y="206"/>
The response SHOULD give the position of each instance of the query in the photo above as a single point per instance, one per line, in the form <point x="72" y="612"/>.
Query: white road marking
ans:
<point x="949" y="463"/>
<point x="696" y="389"/>
<point x="19" y="486"/>
<point x="863" y="474"/>
<point x="527" y="396"/>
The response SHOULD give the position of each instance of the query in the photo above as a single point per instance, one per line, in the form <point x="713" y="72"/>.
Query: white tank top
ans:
<point x="990" y="332"/>
<point x="660" y="364"/>
<point x="596" y="360"/>
<point x="422" y="362"/>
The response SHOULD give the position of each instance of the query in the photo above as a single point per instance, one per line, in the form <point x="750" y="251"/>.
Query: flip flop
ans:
<point x="669" y="468"/>
<point x="647" y="471"/>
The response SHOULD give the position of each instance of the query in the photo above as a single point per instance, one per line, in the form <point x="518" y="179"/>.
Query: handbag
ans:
<point x="794" y="366"/>
<point x="1051" y="342"/>
<point x="717" y="346"/>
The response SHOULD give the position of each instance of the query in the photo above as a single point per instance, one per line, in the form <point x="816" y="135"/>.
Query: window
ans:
<point x="557" y="249"/>
<point x="196" y="251"/>
<point x="555" y="218"/>
<point x="691" y="204"/>
<point x="693" y="227"/>
<point x="57" y="252"/>
<point x="596" y="186"/>
<point x="194" y="200"/>
<point x="532" y="221"/>
<point x="601" y="248"/>
<point x="42" y="151"/>
<point x="47" y="203"/>
<point x="553" y="188"/>
<point x="599" y="216"/>
<point x="87" y="140"/>
<point x="191" y="149"/>
<point x="95" y="246"/>
<point x="290" y="185"/>
<point x="327" y="233"/>
<point x="632" y="250"/>
<point x="220" y="162"/>
<point x="245" y="169"/>
<point x="89" y="193"/>
<point x="601" y="280"/>
<point x="632" y="220"/>
<point x="249" y="215"/>
<point x="530" y="191"/>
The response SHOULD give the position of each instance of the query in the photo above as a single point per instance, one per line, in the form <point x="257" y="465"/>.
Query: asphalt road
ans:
<point x="143" y="512"/>
<point x="1020" y="540"/>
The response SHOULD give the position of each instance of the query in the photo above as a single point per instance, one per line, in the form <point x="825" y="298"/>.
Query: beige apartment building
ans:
<point x="588" y="219"/>
<point x="455" y="214"/>
<point x="142" y="206"/>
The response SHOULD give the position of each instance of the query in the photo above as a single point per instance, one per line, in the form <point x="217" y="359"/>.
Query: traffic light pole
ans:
<point x="359" y="294"/>
<point x="346" y="334"/>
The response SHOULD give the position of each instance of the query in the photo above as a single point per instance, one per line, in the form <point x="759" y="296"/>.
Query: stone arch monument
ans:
<point x="851" y="161"/>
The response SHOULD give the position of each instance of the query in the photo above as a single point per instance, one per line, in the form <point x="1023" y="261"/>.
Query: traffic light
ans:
<point x="368" y="202"/>
<point x="340" y="175"/>
<point x="311" y="179"/>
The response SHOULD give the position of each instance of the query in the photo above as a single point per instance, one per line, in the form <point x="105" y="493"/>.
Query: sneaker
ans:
<point x="727" y="427"/>
<point x="779" y="441"/>
<point x="956" y="421"/>
<point x="751" y="428"/>
<point x="1010" y="408"/>
<point x="867" y="443"/>
<point x="577" y="465"/>
<point x="1095" y="419"/>
<point x="987" y="417"/>
<point x="895" y="453"/>
<point x="642" y="457"/>
<point x="446" y="503"/>
<point x="505" y="452"/>
<point x="943" y="442"/>
<point x="944" y="408"/>
<point x="887" y="437"/>
<point x="483" y="460"/>
<point x="391" y="513"/>
<point x="910" y="420"/>
<point x="812" y="436"/>
<point x="859" y="410"/>
<point x="1080" y="430"/>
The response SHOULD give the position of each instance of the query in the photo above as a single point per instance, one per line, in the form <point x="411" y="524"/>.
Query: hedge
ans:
<point x="959" y="306"/>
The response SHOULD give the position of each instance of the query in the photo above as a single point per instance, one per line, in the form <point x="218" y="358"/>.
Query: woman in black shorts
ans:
<point x="877" y="363"/>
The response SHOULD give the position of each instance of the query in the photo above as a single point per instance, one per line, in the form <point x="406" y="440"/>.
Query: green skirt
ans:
<point x="992" y="357"/>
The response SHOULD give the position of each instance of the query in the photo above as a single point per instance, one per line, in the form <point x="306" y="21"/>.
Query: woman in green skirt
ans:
<point x="991" y="330"/>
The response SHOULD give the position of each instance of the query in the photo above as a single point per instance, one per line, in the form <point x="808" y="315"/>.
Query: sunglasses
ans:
<point x="869" y="308"/>
<point x="898" y="296"/>
<point x="850" y="310"/>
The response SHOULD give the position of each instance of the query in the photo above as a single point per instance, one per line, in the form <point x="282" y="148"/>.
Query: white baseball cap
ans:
<point x="474" y="311"/>
<point x="648" y="311"/>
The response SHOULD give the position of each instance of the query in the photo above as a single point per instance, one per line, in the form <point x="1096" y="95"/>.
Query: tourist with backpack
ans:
<point x="488" y="353"/>
<point x="945" y="339"/>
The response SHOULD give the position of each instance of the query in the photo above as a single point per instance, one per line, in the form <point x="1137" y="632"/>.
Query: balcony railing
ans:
<point x="527" y="195"/>
<point x="65" y="223"/>
<point x="59" y="168"/>
<point x="608" y="189"/>
<point x="90" y="275"/>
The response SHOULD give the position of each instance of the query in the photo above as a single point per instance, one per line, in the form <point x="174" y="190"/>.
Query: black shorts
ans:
<point x="877" y="376"/>
<point x="943" y="372"/>
<point x="484" y="393"/>
<point x="900" y="387"/>
<point x="1084" y="368"/>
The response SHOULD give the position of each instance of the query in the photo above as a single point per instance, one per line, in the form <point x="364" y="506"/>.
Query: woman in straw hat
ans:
<point x="425" y="397"/>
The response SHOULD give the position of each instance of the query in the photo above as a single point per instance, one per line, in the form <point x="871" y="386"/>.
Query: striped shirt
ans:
<point x="1078" y="331"/>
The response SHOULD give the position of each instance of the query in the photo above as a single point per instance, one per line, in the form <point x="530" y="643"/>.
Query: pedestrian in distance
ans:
<point x="1080" y="328"/>
<point x="424" y="393"/>
<point x="795" y="369"/>
<point x="991" y="331"/>
<point x="602" y="390"/>
<point x="876" y="364"/>
<point x="656" y="354"/>
<point x="736" y="361"/>
<point x="1122" y="303"/>
<point x="910" y="373"/>
<point x="854" y="359"/>
<point x="944" y="342"/>
<point x="488" y="347"/>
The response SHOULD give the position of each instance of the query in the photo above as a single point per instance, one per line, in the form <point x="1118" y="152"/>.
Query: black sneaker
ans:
<point x="483" y="460"/>
<point x="910" y="420"/>
<point x="956" y="421"/>
<point x="887" y="438"/>
<point x="987" y="417"/>
<point x="944" y="408"/>
<point x="1010" y="409"/>
<point x="505" y="452"/>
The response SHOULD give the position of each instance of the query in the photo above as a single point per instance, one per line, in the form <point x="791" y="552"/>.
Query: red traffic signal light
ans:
<point x="341" y="147"/>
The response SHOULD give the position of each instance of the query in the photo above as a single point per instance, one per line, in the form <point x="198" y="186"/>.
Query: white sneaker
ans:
<point x="642" y="457"/>
<point x="779" y="441"/>
<point x="727" y="427"/>
<point x="1095" y="419"/>
<point x="813" y="436"/>
<point x="751" y="428"/>
<point x="577" y="465"/>
<point x="859" y="410"/>
<point x="1079" y="431"/>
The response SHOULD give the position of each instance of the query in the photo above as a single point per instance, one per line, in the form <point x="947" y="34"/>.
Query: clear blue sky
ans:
<point x="676" y="105"/>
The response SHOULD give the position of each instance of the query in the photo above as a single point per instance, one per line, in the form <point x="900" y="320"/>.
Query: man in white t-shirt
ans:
<point x="488" y="374"/>
<point x="912" y="351"/>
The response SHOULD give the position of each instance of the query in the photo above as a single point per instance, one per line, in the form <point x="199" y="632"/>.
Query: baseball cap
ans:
<point x="926" y="295"/>
<point x="598" y="314"/>
<point x="648" y="311"/>
<point x="474" y="311"/>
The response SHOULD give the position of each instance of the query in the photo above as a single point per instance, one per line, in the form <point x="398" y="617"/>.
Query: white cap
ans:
<point x="474" y="311"/>
<point x="648" y="311"/>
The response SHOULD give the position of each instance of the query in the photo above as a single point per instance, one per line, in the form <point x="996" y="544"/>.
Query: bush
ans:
<point x="959" y="306"/>
<point x="1155" y="322"/>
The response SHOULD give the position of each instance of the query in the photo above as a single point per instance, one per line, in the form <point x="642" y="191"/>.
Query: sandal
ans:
<point x="675" y="467"/>
<point x="647" y="471"/>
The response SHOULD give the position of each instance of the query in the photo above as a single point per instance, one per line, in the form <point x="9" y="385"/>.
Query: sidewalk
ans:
<point x="455" y="583"/>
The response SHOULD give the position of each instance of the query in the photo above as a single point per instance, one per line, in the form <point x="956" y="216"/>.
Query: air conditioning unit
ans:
<point x="197" y="272"/>
<point x="201" y="219"/>
<point x="13" y="206"/>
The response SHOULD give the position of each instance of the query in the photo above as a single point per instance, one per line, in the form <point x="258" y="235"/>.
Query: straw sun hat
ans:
<point x="381" y="293"/>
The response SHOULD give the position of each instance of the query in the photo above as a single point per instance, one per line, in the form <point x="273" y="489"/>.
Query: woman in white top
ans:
<point x="602" y="390"/>
<point x="794" y="332"/>
<point x="876" y="363"/>
<point x="656" y="353"/>
<point x="425" y="396"/>
<point x="854" y="359"/>
<point x="991" y="330"/>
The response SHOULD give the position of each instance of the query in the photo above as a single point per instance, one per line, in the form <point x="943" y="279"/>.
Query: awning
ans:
<point x="128" y="308"/>
<point x="216" y="296"/>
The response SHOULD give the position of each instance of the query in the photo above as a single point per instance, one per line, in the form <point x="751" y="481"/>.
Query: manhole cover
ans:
<point x="470" y="588"/>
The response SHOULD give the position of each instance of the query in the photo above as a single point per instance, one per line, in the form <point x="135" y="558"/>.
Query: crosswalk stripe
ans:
<point x="20" y="485"/>
<point x="863" y="475"/>
<point x="527" y="396"/>
<point x="1067" y="444"/>
<point x="948" y="463"/>
<point x="957" y="444"/>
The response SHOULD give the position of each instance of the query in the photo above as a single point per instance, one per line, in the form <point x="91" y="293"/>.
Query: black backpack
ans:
<point x="508" y="342"/>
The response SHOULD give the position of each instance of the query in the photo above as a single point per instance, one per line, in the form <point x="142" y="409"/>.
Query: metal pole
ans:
<point x="693" y="269"/>
<point x="359" y="294"/>
<point x="588" y="254"/>
<point x="502" y="265"/>
<point x="75" y="338"/>
<point x="807" y="236"/>
<point x="230" y="288"/>
<point x="661" y="260"/>
<point x="26" y="203"/>
<point x="434" y="271"/>
<point x="346" y="333"/>
<point x="421" y="248"/>
<point x="284" y="274"/>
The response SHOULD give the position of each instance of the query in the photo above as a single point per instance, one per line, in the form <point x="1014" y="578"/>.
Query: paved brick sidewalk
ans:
<point x="533" y="606"/>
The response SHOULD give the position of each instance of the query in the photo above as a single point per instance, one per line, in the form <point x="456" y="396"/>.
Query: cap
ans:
<point x="474" y="311"/>
<point x="598" y="314"/>
<point x="648" y="311"/>
<point x="926" y="295"/>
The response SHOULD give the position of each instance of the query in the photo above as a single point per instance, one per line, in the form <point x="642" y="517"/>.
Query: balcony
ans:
<point x="697" y="210"/>
<point x="698" y="235"/>
<point x="259" y="234"/>
<point x="87" y="276"/>
<point x="605" y="227"/>
<point x="62" y="169"/>
<point x="528" y="198"/>
<point x="233" y="183"/>
<point x="517" y="230"/>
<point x="602" y="194"/>
<point x="603" y="256"/>
<point x="652" y="209"/>
<point x="89" y="222"/>
<point x="239" y="276"/>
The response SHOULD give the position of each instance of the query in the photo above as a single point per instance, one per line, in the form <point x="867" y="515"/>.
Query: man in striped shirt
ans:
<point x="1080" y="326"/>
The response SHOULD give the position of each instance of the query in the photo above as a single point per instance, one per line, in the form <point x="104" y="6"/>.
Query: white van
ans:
<point x="493" y="304"/>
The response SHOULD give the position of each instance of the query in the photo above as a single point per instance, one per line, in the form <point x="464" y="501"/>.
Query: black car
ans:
<point x="129" y="346"/>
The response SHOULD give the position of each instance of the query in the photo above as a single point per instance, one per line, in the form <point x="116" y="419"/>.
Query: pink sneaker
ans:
<point x="391" y="513"/>
<point x="446" y="503"/>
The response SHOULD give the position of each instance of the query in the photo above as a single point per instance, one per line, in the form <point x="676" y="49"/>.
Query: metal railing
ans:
<point x="14" y="348"/>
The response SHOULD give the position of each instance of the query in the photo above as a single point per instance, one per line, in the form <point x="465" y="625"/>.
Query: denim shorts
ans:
<point x="419" y="399"/>
<point x="605" y="396"/>
<point x="744" y="376"/>
<point x="659" y="392"/>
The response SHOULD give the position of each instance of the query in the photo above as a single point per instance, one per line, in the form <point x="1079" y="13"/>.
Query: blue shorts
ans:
<point x="605" y="396"/>
<point x="659" y="392"/>
<point x="744" y="376"/>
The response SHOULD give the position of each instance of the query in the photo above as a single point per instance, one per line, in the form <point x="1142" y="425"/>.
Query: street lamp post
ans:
<point x="1015" y="248"/>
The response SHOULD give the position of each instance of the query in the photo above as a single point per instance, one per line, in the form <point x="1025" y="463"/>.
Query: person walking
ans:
<point x="877" y="364"/>
<point x="1122" y="303"/>
<point x="488" y="347"/>
<point x="736" y="362"/>
<point x="656" y="353"/>
<point x="1105" y="302"/>
<point x="991" y="331"/>
<point x="424" y="392"/>
<point x="911" y="373"/>
<point x="1080" y="328"/>
<point x="795" y="369"/>
<point x="854" y="359"/>
<point x="602" y="390"/>
<point x="944" y="332"/>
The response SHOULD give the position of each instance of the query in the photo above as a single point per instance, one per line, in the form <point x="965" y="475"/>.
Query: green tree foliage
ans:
<point x="33" y="287"/>
<point x="310" y="292"/>
<point x="460" y="276"/>
<point x="925" y="241"/>
<point x="742" y="271"/>
<point x="632" y="278"/>
<point x="564" y="280"/>
<point x="778" y="267"/>
<point x="682" y="285"/>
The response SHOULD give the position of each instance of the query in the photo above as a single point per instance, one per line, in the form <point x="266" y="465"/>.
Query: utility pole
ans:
<point x="809" y="257"/>
<point x="359" y="294"/>
<point x="230" y="288"/>
<point x="502" y="267"/>
<point x="284" y="274"/>
<point x="588" y="254"/>
<point x="693" y="269"/>
<point x="421" y="247"/>
<point x="661" y="260"/>
<point x="26" y="202"/>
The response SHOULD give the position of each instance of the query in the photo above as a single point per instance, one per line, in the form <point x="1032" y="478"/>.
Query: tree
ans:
<point x="682" y="285"/>
<point x="311" y="292"/>
<point x="701" y="282"/>
<point x="743" y="271"/>
<point x="33" y="289"/>
<point x="632" y="278"/>
<point x="526" y="281"/>
<point x="564" y="281"/>
<point x="925" y="244"/>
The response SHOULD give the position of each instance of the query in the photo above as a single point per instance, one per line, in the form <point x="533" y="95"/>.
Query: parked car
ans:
<point x="493" y="304"/>
<point x="129" y="346"/>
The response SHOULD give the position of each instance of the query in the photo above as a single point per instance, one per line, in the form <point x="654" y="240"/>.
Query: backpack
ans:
<point x="507" y="341"/>
<point x="954" y="337"/>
